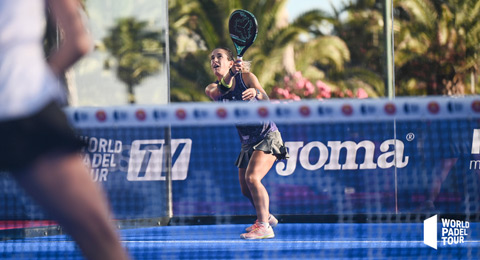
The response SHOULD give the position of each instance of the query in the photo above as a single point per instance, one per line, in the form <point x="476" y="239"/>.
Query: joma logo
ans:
<point x="390" y="149"/>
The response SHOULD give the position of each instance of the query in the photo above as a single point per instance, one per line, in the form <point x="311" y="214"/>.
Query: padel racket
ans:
<point x="243" y="29"/>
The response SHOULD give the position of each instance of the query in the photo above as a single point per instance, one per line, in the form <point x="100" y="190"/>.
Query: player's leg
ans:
<point x="443" y="169"/>
<point x="246" y="192"/>
<point x="244" y="186"/>
<point x="259" y="165"/>
<point x="440" y="172"/>
<point x="61" y="183"/>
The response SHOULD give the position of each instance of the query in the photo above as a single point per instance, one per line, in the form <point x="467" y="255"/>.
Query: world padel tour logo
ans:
<point x="453" y="231"/>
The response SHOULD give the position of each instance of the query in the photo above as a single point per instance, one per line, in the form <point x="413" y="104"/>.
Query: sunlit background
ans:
<point x="305" y="49"/>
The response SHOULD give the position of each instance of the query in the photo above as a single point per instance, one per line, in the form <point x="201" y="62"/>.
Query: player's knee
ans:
<point x="252" y="180"/>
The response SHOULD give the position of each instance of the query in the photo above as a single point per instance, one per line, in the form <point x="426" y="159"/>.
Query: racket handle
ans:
<point x="240" y="58"/>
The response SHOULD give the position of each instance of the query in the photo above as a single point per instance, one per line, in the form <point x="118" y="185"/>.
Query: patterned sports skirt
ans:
<point x="271" y="144"/>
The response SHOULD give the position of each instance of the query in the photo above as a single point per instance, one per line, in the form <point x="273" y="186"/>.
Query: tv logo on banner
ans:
<point x="476" y="141"/>
<point x="147" y="160"/>
<point x="453" y="231"/>
<point x="475" y="164"/>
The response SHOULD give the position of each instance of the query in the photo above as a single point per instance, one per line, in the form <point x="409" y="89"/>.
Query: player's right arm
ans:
<point x="212" y="91"/>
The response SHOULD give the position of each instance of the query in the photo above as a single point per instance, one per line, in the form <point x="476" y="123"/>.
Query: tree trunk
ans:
<point x="288" y="59"/>
<point x="131" y="95"/>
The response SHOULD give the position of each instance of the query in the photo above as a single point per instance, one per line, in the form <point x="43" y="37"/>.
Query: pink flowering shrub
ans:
<point x="297" y="87"/>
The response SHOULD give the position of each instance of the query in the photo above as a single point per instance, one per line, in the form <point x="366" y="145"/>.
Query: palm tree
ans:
<point x="437" y="46"/>
<point x="205" y="22"/>
<point x="197" y="27"/>
<point x="348" y="55"/>
<point x="363" y="32"/>
<point x="274" y="42"/>
<point x="188" y="51"/>
<point x="137" y="50"/>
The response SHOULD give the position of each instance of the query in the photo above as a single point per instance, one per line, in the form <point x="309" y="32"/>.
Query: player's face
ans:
<point x="219" y="62"/>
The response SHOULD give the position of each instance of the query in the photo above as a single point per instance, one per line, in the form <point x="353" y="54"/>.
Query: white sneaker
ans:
<point x="272" y="221"/>
<point x="259" y="232"/>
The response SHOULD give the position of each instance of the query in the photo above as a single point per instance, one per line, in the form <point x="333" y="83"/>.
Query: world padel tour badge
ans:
<point x="141" y="115"/>
<point x="222" y="113"/>
<point x="101" y="116"/>
<point x="263" y="112"/>
<point x="476" y="106"/>
<point x="433" y="107"/>
<point x="181" y="114"/>
<point x="390" y="109"/>
<point x="304" y="111"/>
<point x="347" y="110"/>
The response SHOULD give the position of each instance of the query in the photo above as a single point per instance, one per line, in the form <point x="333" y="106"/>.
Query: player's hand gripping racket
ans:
<point x="243" y="29"/>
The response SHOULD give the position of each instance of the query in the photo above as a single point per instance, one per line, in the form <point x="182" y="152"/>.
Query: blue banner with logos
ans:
<point x="341" y="168"/>
<point x="345" y="157"/>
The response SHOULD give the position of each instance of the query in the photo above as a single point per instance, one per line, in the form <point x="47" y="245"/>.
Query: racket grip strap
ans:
<point x="231" y="72"/>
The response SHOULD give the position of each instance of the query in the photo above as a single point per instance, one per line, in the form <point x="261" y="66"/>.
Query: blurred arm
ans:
<point x="75" y="40"/>
<point x="213" y="92"/>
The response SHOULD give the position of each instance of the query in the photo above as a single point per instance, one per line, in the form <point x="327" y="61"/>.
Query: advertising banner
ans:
<point x="345" y="157"/>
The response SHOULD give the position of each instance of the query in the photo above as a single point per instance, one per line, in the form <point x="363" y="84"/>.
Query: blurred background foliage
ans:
<point x="136" y="51"/>
<point x="337" y="54"/>
<point x="316" y="55"/>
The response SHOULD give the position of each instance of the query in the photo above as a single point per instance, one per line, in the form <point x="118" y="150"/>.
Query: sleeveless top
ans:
<point x="250" y="133"/>
<point x="26" y="81"/>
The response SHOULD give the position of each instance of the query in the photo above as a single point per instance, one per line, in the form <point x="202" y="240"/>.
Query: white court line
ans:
<point x="239" y="241"/>
<point x="275" y="241"/>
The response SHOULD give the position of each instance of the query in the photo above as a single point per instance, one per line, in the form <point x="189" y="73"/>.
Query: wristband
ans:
<point x="223" y="87"/>
<point x="258" y="93"/>
<point x="222" y="81"/>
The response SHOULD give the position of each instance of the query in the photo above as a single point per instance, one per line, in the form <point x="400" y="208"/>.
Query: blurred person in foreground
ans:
<point x="39" y="147"/>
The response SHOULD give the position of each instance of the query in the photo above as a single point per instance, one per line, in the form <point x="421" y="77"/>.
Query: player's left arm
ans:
<point x="254" y="87"/>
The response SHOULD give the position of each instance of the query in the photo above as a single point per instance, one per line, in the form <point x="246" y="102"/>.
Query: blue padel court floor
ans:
<point x="292" y="241"/>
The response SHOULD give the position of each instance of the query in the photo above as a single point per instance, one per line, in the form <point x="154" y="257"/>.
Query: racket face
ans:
<point x="243" y="29"/>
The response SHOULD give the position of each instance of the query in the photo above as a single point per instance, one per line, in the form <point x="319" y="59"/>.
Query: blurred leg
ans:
<point x="445" y="165"/>
<point x="62" y="184"/>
